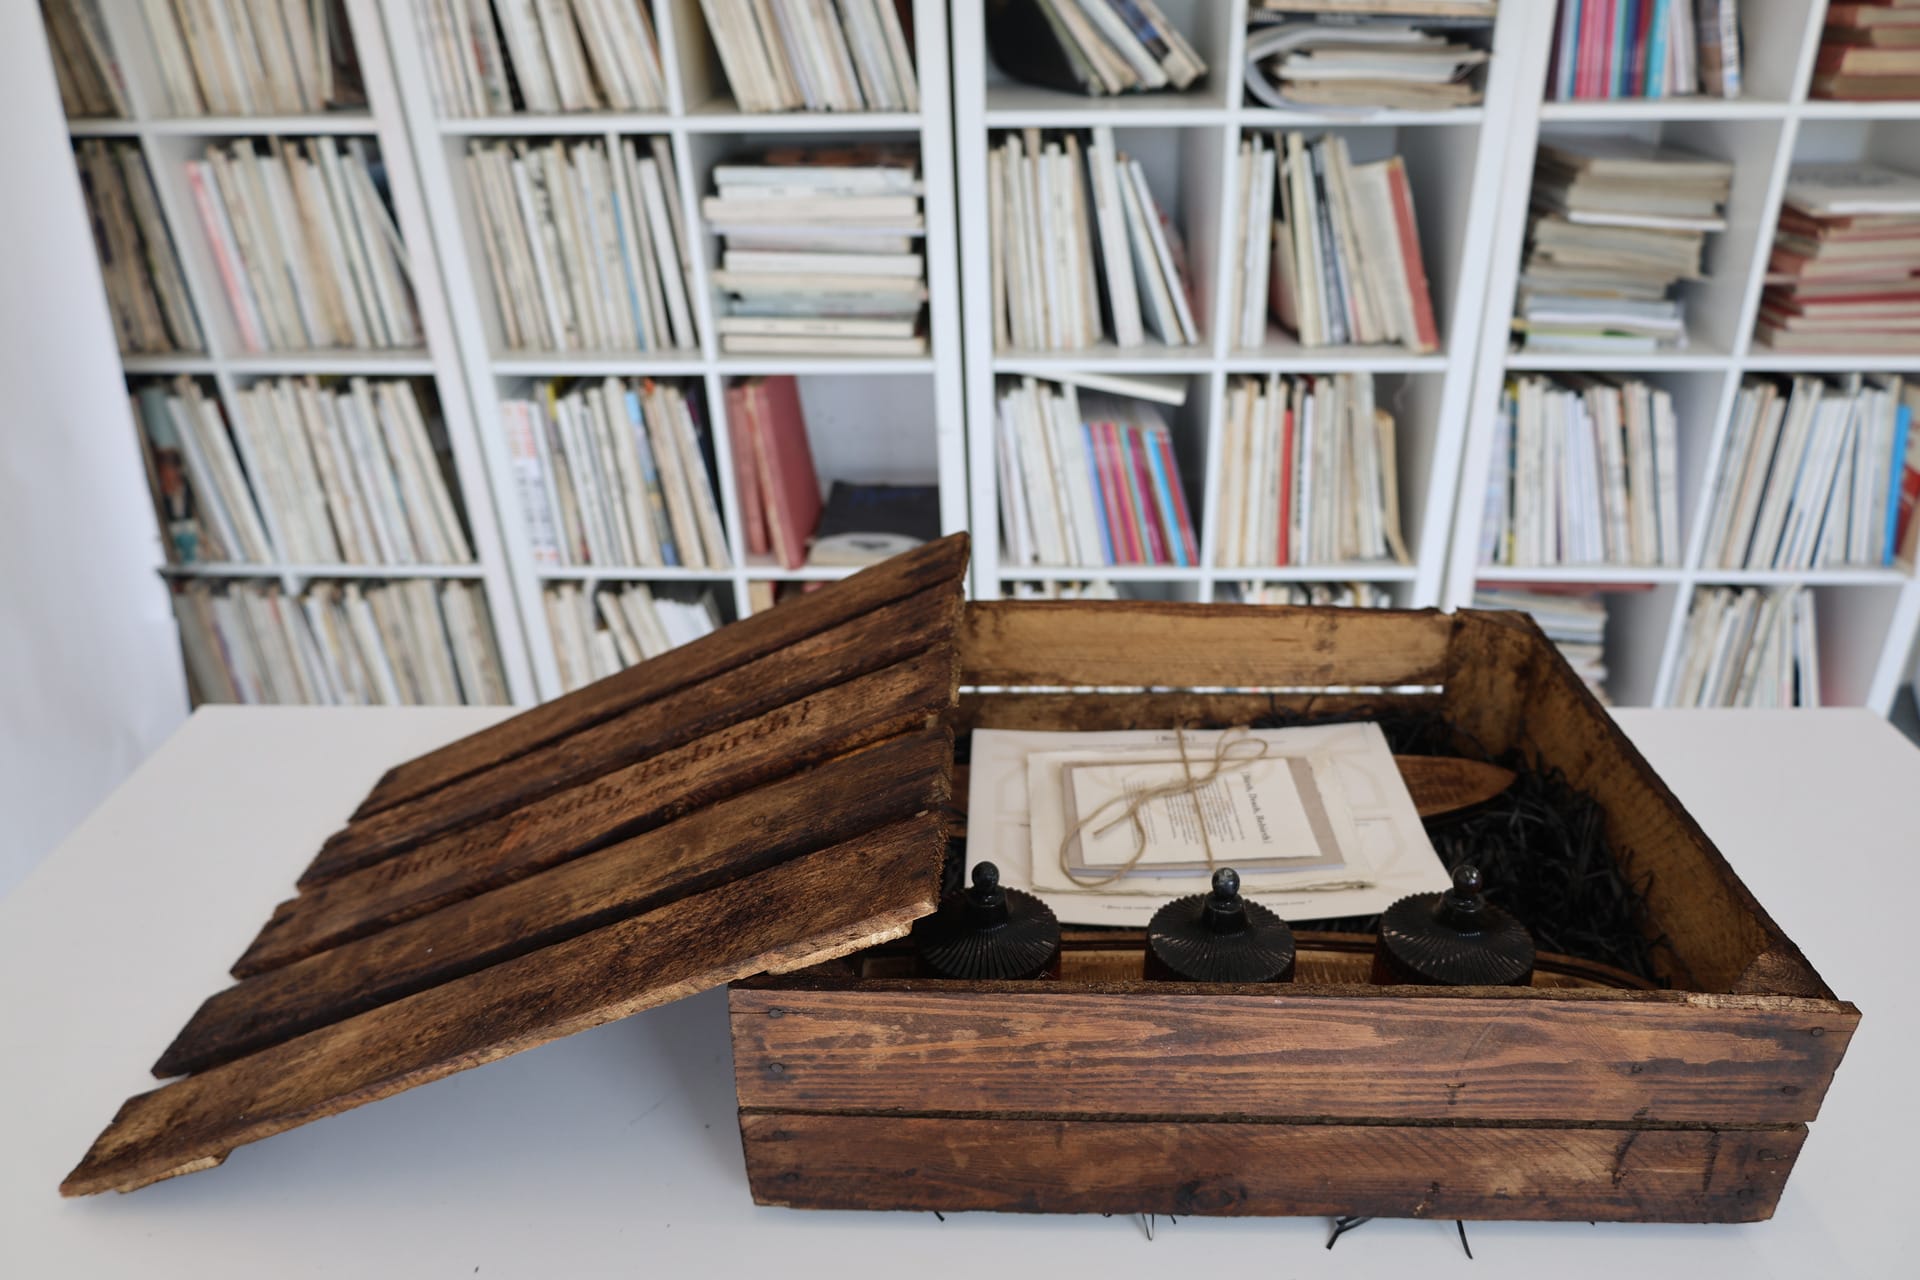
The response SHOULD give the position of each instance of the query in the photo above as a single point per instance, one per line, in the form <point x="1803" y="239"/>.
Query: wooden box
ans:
<point x="770" y="806"/>
<point x="1104" y="1093"/>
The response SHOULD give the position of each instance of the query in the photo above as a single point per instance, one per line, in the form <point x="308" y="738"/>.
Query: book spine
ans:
<point x="1897" y="497"/>
<point x="1098" y="489"/>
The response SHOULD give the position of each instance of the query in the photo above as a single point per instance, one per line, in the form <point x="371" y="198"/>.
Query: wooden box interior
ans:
<point x="863" y="1087"/>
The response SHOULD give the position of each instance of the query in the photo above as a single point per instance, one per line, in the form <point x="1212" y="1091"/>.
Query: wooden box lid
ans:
<point x="764" y="798"/>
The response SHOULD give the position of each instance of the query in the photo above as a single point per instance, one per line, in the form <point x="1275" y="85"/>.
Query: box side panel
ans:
<point x="1165" y="1050"/>
<point x="1711" y="933"/>
<point x="1175" y="1167"/>
<point x="1105" y="642"/>
<point x="1102" y="712"/>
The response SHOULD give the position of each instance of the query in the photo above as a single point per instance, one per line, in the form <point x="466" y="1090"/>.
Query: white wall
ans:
<point x="90" y="676"/>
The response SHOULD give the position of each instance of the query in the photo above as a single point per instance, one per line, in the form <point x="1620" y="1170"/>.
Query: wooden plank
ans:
<point x="954" y="1163"/>
<point x="1089" y="711"/>
<point x="819" y="661"/>
<point x="941" y="562"/>
<point x="797" y="913"/>
<point x="1133" y="1049"/>
<point x="1713" y="935"/>
<point x="1077" y="643"/>
<point x="614" y="806"/>
<point x="735" y="838"/>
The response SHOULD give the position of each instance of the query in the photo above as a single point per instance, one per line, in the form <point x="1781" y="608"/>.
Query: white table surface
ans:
<point x="616" y="1152"/>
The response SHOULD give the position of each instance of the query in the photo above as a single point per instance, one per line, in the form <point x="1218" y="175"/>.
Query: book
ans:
<point x="415" y="643"/>
<point x="1585" y="473"/>
<point x="561" y="55"/>
<point x="1368" y="59"/>
<point x="1645" y="49"/>
<point x="818" y="252"/>
<point x="613" y="472"/>
<point x="91" y="83"/>
<point x="583" y="244"/>
<point x="1091" y="47"/>
<point x="1090" y="480"/>
<point x="139" y="262"/>
<point x="599" y="631"/>
<point x="779" y="467"/>
<point x="251" y="57"/>
<point x="1749" y="647"/>
<point x="864" y="524"/>
<point x="783" y="56"/>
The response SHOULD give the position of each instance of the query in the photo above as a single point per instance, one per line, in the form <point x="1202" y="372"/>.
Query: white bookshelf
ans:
<point x="869" y="419"/>
<point x="1867" y="617"/>
<point x="1187" y="142"/>
<point x="225" y="367"/>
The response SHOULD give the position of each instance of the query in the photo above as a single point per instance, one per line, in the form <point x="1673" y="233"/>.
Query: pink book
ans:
<point x="1127" y="548"/>
<point x="746" y="470"/>
<point x="1141" y="476"/>
<point x="788" y="481"/>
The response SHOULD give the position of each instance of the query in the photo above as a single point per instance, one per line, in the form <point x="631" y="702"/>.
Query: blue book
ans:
<point x="1566" y="72"/>
<point x="650" y="471"/>
<point x="629" y="269"/>
<point x="1163" y="494"/>
<point x="1902" y="424"/>
<point x="1619" y="73"/>
<point x="1099" y="497"/>
<point x="1657" y="49"/>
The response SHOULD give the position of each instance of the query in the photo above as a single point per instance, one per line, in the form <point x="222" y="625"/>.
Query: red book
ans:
<point x="1182" y="515"/>
<point x="1123" y="485"/>
<point x="746" y="470"/>
<point x="1643" y="71"/>
<point x="1286" y="487"/>
<point x="1596" y="43"/>
<point x="787" y="478"/>
<point x="1140" y="478"/>
<point x="1426" y="330"/>
<point x="1126" y="547"/>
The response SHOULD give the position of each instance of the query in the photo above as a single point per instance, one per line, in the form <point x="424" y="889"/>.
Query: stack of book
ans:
<point x="1574" y="620"/>
<point x="600" y="633"/>
<point x="1338" y="260"/>
<point x="1845" y="271"/>
<point x="614" y="473"/>
<point x="586" y="247"/>
<point x="567" y="55"/>
<point x="1367" y="54"/>
<point x="1097" y="589"/>
<point x="1815" y="474"/>
<point x="773" y="472"/>
<point x="146" y="290"/>
<point x="1749" y="647"/>
<point x="1089" y="479"/>
<point x="818" y="252"/>
<point x="252" y="57"/>
<point x="1344" y="595"/>
<point x="1092" y="47"/>
<point x="1043" y="206"/>
<point x="789" y="56"/>
<point x="1617" y="224"/>
<point x="305" y="243"/>
<point x="1645" y="49"/>
<point x="320" y="475"/>
<point x="1870" y="51"/>
<point x="414" y="643"/>
<point x="1308" y="473"/>
<point x="91" y="86"/>
<point x="1585" y="471"/>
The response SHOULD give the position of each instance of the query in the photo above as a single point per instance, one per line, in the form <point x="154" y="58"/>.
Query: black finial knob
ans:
<point x="1226" y="884"/>
<point x="1467" y="881"/>
<point x="986" y="877"/>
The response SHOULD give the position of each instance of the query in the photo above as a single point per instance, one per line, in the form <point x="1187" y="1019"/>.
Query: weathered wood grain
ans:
<point x="1714" y="935"/>
<point x="954" y="1163"/>
<point x="827" y="658"/>
<point x="1631" y="1057"/>
<point x="1135" y="642"/>
<point x="941" y="562"/>
<point x="824" y="904"/>
<point x="898" y="700"/>
<point x="738" y="837"/>
<point x="1089" y="711"/>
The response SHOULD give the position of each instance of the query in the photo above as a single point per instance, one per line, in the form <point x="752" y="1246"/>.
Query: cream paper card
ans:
<point x="1391" y="855"/>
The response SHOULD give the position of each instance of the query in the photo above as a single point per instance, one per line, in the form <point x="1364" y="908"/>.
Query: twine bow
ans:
<point x="1231" y="754"/>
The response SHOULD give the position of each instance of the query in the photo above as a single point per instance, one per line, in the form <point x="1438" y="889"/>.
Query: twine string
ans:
<point x="1234" y="751"/>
